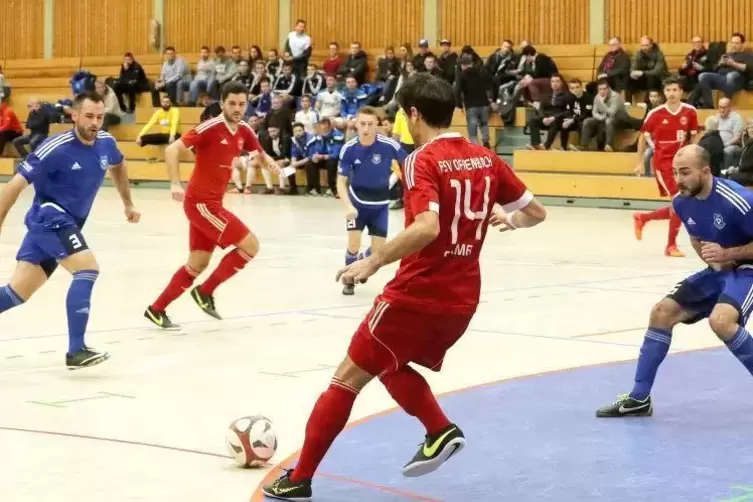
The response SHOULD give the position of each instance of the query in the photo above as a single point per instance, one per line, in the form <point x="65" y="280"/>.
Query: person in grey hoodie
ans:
<point x="225" y="69"/>
<point x="174" y="70"/>
<point x="648" y="70"/>
<point x="609" y="116"/>
<point x="205" y="73"/>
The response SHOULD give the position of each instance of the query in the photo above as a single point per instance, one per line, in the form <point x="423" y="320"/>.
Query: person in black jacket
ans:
<point x="355" y="65"/>
<point x="614" y="67"/>
<point x="713" y="143"/>
<point x="581" y="108"/>
<point x="447" y="61"/>
<point x="502" y="65"/>
<point x="211" y="110"/>
<point x="473" y="93"/>
<point x="277" y="145"/>
<point x="551" y="114"/>
<point x="38" y="124"/>
<point x="132" y="79"/>
<point x="695" y="63"/>
<point x="388" y="73"/>
<point x="536" y="81"/>
<point x="423" y="53"/>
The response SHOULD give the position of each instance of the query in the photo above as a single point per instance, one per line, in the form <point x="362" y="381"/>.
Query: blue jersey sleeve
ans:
<point x="345" y="166"/>
<point x="114" y="155"/>
<point x="680" y="210"/>
<point x="34" y="167"/>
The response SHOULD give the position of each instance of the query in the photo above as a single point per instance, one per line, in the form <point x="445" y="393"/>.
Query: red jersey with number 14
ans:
<point x="461" y="182"/>
<point x="215" y="147"/>
<point x="669" y="131"/>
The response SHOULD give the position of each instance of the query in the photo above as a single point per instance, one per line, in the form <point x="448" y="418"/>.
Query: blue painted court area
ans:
<point x="537" y="439"/>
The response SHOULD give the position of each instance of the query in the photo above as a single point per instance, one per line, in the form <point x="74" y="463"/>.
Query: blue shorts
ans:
<point x="375" y="218"/>
<point x="46" y="247"/>
<point x="699" y="293"/>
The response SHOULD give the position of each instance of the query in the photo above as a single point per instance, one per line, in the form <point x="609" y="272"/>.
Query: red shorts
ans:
<point x="391" y="337"/>
<point x="212" y="225"/>
<point x="665" y="180"/>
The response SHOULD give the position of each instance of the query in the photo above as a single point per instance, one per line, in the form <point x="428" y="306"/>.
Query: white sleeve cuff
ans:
<point x="519" y="204"/>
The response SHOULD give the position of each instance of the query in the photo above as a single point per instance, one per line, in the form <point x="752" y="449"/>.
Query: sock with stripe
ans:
<point x="231" y="264"/>
<point x="78" y="303"/>
<point x="660" y="214"/>
<point x="350" y="257"/>
<point x="741" y="346"/>
<point x="674" y="228"/>
<point x="411" y="391"/>
<point x="653" y="351"/>
<point x="327" y="420"/>
<point x="181" y="281"/>
<point x="365" y="254"/>
<point x="9" y="298"/>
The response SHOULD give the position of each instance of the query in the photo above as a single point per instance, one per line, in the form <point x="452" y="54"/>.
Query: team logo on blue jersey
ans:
<point x="103" y="163"/>
<point x="719" y="221"/>
<point x="376" y="158"/>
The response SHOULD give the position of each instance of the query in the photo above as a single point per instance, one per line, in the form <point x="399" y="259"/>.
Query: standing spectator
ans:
<point x="10" y="126"/>
<point x="306" y="116"/>
<point x="448" y="60"/>
<point x="274" y="63"/>
<point x="286" y="85"/>
<point x="313" y="83"/>
<point x="648" y="70"/>
<point x="695" y="63"/>
<point x="551" y="115"/>
<point x="38" y="124"/>
<point x="205" y="73"/>
<point x="276" y="144"/>
<point x="334" y="60"/>
<point x="734" y="71"/>
<point x="212" y="108"/>
<point x="225" y="69"/>
<point x="168" y="119"/>
<point x="174" y="70"/>
<point x="731" y="127"/>
<point x="614" y="67"/>
<point x="132" y="79"/>
<point x="113" y="113"/>
<point x="581" y="108"/>
<point x="298" y="46"/>
<point x="609" y="116"/>
<point x="473" y="93"/>
<point x="324" y="155"/>
<point x="355" y="65"/>
<point x="329" y="101"/>
<point x="423" y="53"/>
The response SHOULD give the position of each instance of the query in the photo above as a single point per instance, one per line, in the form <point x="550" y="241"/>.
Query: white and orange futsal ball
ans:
<point x="251" y="441"/>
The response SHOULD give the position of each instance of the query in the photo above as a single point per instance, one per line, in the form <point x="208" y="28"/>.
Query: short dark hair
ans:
<point x="335" y="44"/>
<point x="306" y="96"/>
<point x="169" y="48"/>
<point x="92" y="96"/>
<point x="233" y="87"/>
<point x="128" y="55"/>
<point x="528" y="50"/>
<point x="287" y="64"/>
<point x="507" y="40"/>
<point x="204" y="48"/>
<point x="603" y="81"/>
<point x="298" y="124"/>
<point x="219" y="48"/>
<point x="575" y="81"/>
<point x="431" y="96"/>
<point x="325" y="120"/>
<point x="235" y="47"/>
<point x="265" y="79"/>
<point x="300" y="20"/>
<point x="559" y="76"/>
<point x="273" y="50"/>
<point x="739" y="35"/>
<point x="670" y="81"/>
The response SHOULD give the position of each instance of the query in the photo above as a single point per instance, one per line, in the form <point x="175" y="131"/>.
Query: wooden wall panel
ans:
<point x="488" y="22"/>
<point x="189" y="24"/>
<point x="101" y="27"/>
<point x="376" y="24"/>
<point x="671" y="21"/>
<point x="22" y="29"/>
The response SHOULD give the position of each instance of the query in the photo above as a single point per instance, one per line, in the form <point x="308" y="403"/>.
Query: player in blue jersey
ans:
<point x="66" y="172"/>
<point x="718" y="217"/>
<point x="364" y="175"/>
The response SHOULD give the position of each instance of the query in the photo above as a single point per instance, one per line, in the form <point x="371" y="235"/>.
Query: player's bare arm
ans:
<point x="10" y="194"/>
<point x="351" y="213"/>
<point x="714" y="253"/>
<point x="529" y="216"/>
<point x="638" y="170"/>
<point x="119" y="175"/>
<point x="172" y="161"/>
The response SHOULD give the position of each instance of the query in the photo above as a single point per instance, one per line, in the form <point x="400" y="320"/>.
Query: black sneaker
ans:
<point x="160" y="319"/>
<point x="84" y="358"/>
<point x="435" y="451"/>
<point x="626" y="406"/>
<point x="205" y="302"/>
<point x="284" y="489"/>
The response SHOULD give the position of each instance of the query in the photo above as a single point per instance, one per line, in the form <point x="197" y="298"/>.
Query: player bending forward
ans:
<point x="717" y="215"/>
<point x="364" y="174"/>
<point x="669" y="126"/>
<point x="66" y="172"/>
<point x="218" y="144"/>
<point x="451" y="187"/>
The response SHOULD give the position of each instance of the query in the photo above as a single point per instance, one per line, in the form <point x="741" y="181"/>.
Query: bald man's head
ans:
<point x="692" y="171"/>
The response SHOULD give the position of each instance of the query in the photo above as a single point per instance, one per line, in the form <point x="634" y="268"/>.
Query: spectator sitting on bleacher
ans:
<point x="301" y="148"/>
<point x="10" y="126"/>
<point x="731" y="127"/>
<point x="274" y="63"/>
<point x="535" y="82"/>
<point x="356" y="65"/>
<point x="325" y="153"/>
<point x="279" y="116"/>
<point x="131" y="80"/>
<point x="405" y="54"/>
<point x="695" y="63"/>
<point x="743" y="173"/>
<point x="168" y="120"/>
<point x="502" y="65"/>
<point x="4" y="85"/>
<point x="225" y="69"/>
<point x="113" y="113"/>
<point x="286" y="85"/>
<point x="236" y="54"/>
<point x="334" y="60"/>
<point x="473" y="93"/>
<point x="205" y="73"/>
<point x="263" y="101"/>
<point x="713" y="143"/>
<point x="353" y="100"/>
<point x="174" y="70"/>
<point x="581" y="108"/>
<point x="314" y="81"/>
<point x="655" y="98"/>
<point x="419" y="60"/>
<point x="731" y="75"/>
<point x="550" y="115"/>
<point x="614" y="66"/>
<point x="388" y="73"/>
<point x="648" y="70"/>
<point x="244" y="75"/>
<point x="212" y="108"/>
<point x="448" y="60"/>
<point x="329" y="101"/>
<point x="38" y="124"/>
<point x="258" y="72"/>
<point x="298" y="46"/>
<point x="306" y="116"/>
<point x="609" y="116"/>
<point x="276" y="144"/>
<point x="254" y="55"/>
<point x="431" y="67"/>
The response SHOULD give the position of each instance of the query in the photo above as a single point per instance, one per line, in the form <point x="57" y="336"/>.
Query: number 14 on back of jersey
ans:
<point x="467" y="228"/>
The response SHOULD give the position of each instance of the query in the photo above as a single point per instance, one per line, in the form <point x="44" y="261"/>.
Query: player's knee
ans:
<point x="250" y="245"/>
<point x="199" y="262"/>
<point x="665" y="314"/>
<point x="723" y="321"/>
<point x="352" y="375"/>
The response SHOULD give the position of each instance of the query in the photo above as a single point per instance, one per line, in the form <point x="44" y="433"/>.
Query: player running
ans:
<point x="717" y="215"/>
<point x="66" y="172"/>
<point x="218" y="144"/>
<point x="451" y="188"/>
<point x="364" y="174"/>
<point x="669" y="127"/>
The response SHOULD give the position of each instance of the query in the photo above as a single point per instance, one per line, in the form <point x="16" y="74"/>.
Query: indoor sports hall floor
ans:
<point x="563" y="312"/>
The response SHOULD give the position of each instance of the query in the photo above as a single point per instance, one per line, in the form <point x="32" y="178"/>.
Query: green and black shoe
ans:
<point x="205" y="302"/>
<point x="435" y="451"/>
<point x="285" y="489"/>
<point x="85" y="358"/>
<point x="160" y="319"/>
<point x="626" y="406"/>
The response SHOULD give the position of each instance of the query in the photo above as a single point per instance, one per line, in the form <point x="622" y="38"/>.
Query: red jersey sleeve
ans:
<point x="649" y="124"/>
<point x="250" y="140"/>
<point x="512" y="194"/>
<point x="196" y="139"/>
<point x="422" y="184"/>
<point x="692" y="120"/>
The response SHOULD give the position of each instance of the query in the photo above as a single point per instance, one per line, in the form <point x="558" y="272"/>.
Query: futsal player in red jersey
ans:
<point x="669" y="127"/>
<point x="451" y="187"/>
<point x="218" y="143"/>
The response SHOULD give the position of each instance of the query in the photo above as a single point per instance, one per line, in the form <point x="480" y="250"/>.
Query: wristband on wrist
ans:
<point x="510" y="223"/>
